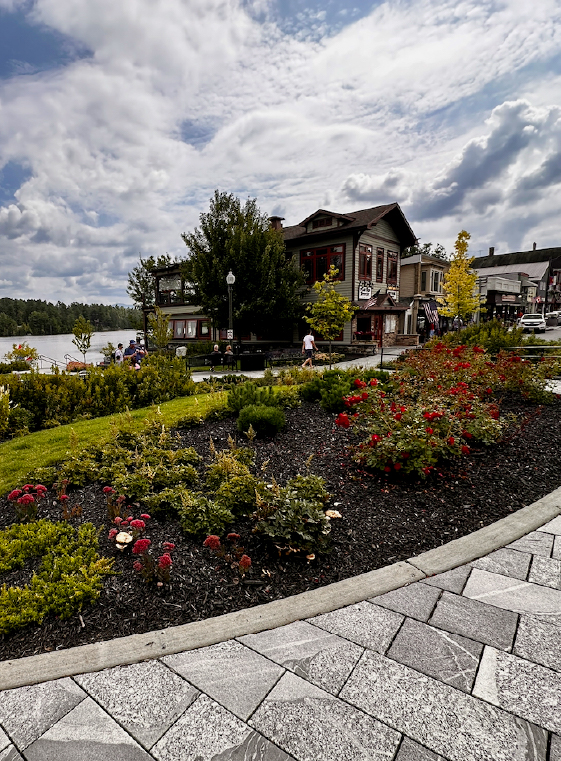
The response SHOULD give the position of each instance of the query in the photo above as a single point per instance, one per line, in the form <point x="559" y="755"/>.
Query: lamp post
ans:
<point x="230" y="280"/>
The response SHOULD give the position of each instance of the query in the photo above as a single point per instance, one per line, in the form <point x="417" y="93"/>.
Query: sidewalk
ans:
<point x="461" y="664"/>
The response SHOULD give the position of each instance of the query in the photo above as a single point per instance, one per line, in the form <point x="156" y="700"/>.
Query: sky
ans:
<point x="118" y="120"/>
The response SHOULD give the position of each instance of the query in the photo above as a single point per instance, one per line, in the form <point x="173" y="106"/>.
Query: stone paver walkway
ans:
<point x="462" y="666"/>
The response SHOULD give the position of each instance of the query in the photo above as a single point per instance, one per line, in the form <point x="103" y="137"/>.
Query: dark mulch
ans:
<point x="383" y="521"/>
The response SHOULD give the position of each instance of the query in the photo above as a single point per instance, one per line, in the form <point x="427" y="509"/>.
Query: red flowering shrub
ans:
<point x="141" y="546"/>
<point x="153" y="570"/>
<point x="212" y="542"/>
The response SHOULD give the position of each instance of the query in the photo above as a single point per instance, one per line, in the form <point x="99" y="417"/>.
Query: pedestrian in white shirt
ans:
<point x="308" y="348"/>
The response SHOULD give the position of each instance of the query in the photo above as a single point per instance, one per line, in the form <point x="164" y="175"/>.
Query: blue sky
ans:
<point x="118" y="121"/>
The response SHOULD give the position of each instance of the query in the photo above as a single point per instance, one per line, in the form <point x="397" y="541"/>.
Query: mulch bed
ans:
<point x="384" y="520"/>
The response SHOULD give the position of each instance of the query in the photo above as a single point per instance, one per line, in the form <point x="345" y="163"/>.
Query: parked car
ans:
<point x="532" y="323"/>
<point x="553" y="318"/>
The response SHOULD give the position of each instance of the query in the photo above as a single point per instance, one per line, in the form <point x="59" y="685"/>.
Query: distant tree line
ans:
<point x="41" y="318"/>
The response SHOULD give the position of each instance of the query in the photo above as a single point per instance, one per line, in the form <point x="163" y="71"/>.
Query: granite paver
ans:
<point x="448" y="657"/>
<point x="4" y="740"/>
<point x="511" y="594"/>
<point x="324" y="659"/>
<point x="539" y="641"/>
<point x="536" y="543"/>
<point x="85" y="733"/>
<point x="451" y="581"/>
<point x="415" y="600"/>
<point x="445" y="720"/>
<point x="312" y="725"/>
<point x="27" y="712"/>
<point x="10" y="754"/>
<point x="525" y="689"/>
<point x="556" y="551"/>
<point x="409" y="750"/>
<point x="555" y="749"/>
<point x="145" y="698"/>
<point x="552" y="527"/>
<point x="506" y="562"/>
<point x="364" y="623"/>
<point x="476" y="620"/>
<point x="235" y="676"/>
<point x="545" y="571"/>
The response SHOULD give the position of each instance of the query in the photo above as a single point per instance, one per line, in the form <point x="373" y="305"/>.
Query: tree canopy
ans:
<point x="331" y="310"/>
<point x="238" y="237"/>
<point x="460" y="298"/>
<point x="427" y="249"/>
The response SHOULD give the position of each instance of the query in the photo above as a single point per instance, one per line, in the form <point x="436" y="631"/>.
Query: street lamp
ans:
<point x="230" y="280"/>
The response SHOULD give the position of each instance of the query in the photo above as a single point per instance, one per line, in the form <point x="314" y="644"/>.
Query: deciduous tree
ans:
<point x="141" y="284"/>
<point x="238" y="237"/>
<point x="460" y="298"/>
<point x="160" y="328"/>
<point x="331" y="310"/>
<point x="83" y="332"/>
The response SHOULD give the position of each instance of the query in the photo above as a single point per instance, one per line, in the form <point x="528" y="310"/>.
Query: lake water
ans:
<point x="57" y="348"/>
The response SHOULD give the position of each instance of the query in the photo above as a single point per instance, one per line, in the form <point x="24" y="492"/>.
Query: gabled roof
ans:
<point x="518" y="258"/>
<point x="359" y="221"/>
<point x="380" y="302"/>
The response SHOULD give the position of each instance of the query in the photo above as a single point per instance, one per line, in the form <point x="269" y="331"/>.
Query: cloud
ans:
<point x="123" y="149"/>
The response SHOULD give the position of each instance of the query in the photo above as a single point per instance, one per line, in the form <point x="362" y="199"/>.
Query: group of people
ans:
<point x="132" y="356"/>
<point x="216" y="357"/>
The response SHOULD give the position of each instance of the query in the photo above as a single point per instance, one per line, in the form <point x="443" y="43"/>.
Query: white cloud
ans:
<point x="360" y="117"/>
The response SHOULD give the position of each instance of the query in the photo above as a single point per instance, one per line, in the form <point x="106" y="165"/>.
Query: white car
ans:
<point x="532" y="323"/>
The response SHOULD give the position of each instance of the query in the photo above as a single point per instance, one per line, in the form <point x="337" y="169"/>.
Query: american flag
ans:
<point x="371" y="301"/>
<point x="431" y="311"/>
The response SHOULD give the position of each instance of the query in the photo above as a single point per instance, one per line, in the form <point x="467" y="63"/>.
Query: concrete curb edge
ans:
<point x="140" y="647"/>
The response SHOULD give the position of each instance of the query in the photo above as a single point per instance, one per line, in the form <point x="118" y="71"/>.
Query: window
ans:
<point x="390" y="323"/>
<point x="322" y="222"/>
<point x="315" y="262"/>
<point x="391" y="276"/>
<point x="178" y="328"/>
<point x="436" y="281"/>
<point x="190" y="329"/>
<point x="379" y="265"/>
<point x="365" y="262"/>
<point x="424" y="281"/>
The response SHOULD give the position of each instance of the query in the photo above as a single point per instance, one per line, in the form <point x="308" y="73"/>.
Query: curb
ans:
<point x="141" y="647"/>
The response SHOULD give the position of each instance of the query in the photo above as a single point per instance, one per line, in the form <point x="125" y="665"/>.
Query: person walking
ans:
<point x="308" y="348"/>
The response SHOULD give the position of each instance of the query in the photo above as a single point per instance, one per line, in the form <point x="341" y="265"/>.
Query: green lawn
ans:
<point x="20" y="456"/>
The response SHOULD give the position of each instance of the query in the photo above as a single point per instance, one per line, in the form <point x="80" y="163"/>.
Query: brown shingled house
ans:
<point x="365" y="246"/>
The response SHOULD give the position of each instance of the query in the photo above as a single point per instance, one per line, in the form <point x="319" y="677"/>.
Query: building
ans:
<point x="365" y="247"/>
<point x="422" y="279"/>
<point x="524" y="281"/>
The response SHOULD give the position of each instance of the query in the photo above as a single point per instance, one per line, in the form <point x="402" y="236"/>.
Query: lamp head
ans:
<point x="230" y="278"/>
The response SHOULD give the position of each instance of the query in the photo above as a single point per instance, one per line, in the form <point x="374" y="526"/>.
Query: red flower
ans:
<point x="169" y="546"/>
<point x="15" y="494"/>
<point x="489" y="390"/>
<point x="342" y="420"/>
<point x="108" y="490"/>
<point x="451" y="441"/>
<point x="405" y="455"/>
<point x="141" y="546"/>
<point x="364" y="396"/>
<point x="374" y="382"/>
<point x="233" y="537"/>
<point x="245" y="562"/>
<point x="465" y="450"/>
<point x="113" y="533"/>
<point x="387" y="469"/>
<point x="398" y="416"/>
<point x="26" y="499"/>
<point x="359" y="383"/>
<point x="130" y="518"/>
<point x="63" y="497"/>
<point x="138" y="524"/>
<point x="429" y="431"/>
<point x="41" y="489"/>
<point x="27" y="487"/>
<point x="145" y="516"/>
<point x="165" y="561"/>
<point x="212" y="541"/>
<point x="118" y="520"/>
<point x="397" y="466"/>
<point x="137" y="565"/>
<point x="124" y="524"/>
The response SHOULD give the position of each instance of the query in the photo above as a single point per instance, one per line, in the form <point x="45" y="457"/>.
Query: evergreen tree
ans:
<point x="239" y="237"/>
<point x="331" y="310"/>
<point x="460" y="298"/>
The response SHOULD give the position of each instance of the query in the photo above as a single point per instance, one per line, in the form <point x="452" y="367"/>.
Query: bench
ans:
<point x="226" y="362"/>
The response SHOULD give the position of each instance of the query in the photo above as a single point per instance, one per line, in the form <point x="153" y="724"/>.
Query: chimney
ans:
<point x="491" y="250"/>
<point x="276" y="222"/>
<point x="534" y="247"/>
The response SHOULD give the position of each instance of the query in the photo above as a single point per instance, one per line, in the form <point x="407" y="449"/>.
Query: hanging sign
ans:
<point x="364" y="290"/>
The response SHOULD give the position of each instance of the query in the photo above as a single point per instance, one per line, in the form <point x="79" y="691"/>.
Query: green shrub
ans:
<point x="265" y="421"/>
<point x="227" y="464"/>
<point x="201" y="516"/>
<point x="19" y="421"/>
<point x="249" y="393"/>
<point x="69" y="576"/>
<point x="238" y="494"/>
<point x="332" y="396"/>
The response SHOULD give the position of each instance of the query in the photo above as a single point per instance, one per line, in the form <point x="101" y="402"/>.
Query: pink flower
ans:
<point x="130" y="518"/>
<point x="245" y="562"/>
<point x="40" y="488"/>
<point x="145" y="516"/>
<point x="165" y="561"/>
<point x="26" y="499"/>
<point x="169" y="546"/>
<point x="15" y="494"/>
<point x="27" y="487"/>
<point x="138" y="524"/>
<point x="118" y="520"/>
<point x="137" y="565"/>
<point x="212" y="541"/>
<point x="233" y="537"/>
<point x="124" y="524"/>
<point x="63" y="497"/>
<point x="140" y="546"/>
<point x="113" y="533"/>
<point x="108" y="490"/>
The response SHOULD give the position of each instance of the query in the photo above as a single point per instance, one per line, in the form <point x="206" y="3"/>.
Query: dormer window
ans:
<point x="322" y="222"/>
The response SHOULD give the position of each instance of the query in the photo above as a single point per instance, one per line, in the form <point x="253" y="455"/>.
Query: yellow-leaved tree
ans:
<point x="460" y="298"/>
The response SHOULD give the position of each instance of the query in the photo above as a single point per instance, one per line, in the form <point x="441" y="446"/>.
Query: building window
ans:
<point x="191" y="329"/>
<point x="315" y="262"/>
<point x="391" y="276"/>
<point x="365" y="262"/>
<point x="390" y="323"/>
<point x="436" y="281"/>
<point x="322" y="222"/>
<point x="423" y="281"/>
<point x="379" y="265"/>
